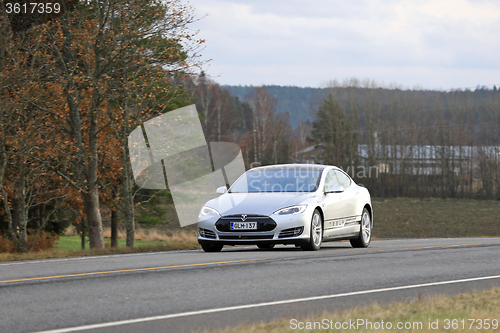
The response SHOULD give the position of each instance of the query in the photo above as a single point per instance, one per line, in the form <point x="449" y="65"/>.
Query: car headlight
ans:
<point x="291" y="210"/>
<point x="207" y="211"/>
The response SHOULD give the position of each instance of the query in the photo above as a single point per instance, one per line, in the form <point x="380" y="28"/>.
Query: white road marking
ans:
<point x="258" y="305"/>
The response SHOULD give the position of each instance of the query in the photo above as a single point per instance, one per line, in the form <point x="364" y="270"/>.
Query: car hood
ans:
<point x="256" y="203"/>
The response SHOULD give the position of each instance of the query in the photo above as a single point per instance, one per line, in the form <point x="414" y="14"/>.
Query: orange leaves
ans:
<point x="61" y="75"/>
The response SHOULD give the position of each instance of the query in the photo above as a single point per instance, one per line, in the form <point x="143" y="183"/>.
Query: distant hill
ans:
<point x="300" y="103"/>
<point x="303" y="103"/>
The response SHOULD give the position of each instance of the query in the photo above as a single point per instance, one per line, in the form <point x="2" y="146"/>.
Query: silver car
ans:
<point x="299" y="204"/>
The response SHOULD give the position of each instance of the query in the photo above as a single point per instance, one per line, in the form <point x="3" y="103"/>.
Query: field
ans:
<point x="460" y="313"/>
<point x="415" y="218"/>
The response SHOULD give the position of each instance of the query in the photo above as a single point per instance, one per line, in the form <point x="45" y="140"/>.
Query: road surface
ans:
<point x="189" y="291"/>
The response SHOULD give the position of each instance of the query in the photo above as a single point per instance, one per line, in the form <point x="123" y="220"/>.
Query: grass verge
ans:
<point x="58" y="253"/>
<point x="150" y="240"/>
<point x="74" y="243"/>
<point x="460" y="313"/>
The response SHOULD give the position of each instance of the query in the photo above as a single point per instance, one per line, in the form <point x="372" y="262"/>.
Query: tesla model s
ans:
<point x="299" y="204"/>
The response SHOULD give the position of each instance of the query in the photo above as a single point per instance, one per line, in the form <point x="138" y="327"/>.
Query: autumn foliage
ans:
<point x="72" y="88"/>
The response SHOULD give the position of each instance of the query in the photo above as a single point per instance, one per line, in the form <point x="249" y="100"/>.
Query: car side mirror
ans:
<point x="335" y="189"/>
<point x="221" y="190"/>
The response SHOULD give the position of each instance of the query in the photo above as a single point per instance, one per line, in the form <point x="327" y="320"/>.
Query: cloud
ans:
<point x="306" y="43"/>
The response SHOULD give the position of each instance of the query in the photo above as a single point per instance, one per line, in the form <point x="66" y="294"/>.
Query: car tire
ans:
<point x="365" y="231"/>
<point x="316" y="233"/>
<point x="211" y="247"/>
<point x="265" y="246"/>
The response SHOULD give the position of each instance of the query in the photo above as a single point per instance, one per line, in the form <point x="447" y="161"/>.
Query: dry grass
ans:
<point x="477" y="305"/>
<point x="71" y="231"/>
<point x="151" y="234"/>
<point x="178" y="240"/>
<point x="156" y="235"/>
<point x="53" y="253"/>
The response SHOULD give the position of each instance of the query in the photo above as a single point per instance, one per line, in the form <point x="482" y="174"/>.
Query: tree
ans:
<point x="144" y="80"/>
<point x="102" y="52"/>
<point x="26" y="140"/>
<point x="271" y="131"/>
<point x="332" y="134"/>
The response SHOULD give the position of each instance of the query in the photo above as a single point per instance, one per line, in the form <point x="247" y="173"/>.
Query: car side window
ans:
<point x="345" y="181"/>
<point x="331" y="179"/>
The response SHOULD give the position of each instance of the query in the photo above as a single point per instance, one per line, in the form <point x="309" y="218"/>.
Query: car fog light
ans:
<point x="297" y="231"/>
<point x="201" y="232"/>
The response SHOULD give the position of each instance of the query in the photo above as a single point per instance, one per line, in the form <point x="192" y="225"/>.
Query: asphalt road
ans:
<point x="186" y="291"/>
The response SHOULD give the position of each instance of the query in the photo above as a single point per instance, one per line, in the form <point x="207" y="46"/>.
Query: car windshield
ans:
<point x="276" y="180"/>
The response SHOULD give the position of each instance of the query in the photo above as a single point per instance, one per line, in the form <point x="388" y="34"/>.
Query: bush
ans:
<point x="6" y="245"/>
<point x="44" y="241"/>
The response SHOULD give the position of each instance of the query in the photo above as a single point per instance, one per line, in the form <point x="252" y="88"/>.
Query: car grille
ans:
<point x="247" y="237"/>
<point x="292" y="232"/>
<point x="209" y="233"/>
<point x="264" y="223"/>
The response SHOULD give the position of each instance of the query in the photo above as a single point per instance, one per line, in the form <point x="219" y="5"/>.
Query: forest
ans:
<point x="398" y="142"/>
<point x="72" y="88"/>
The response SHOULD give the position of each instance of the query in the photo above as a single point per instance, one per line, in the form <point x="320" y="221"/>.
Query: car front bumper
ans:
<point x="286" y="231"/>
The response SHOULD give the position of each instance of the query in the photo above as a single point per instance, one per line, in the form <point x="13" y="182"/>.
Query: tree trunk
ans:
<point x="83" y="233"/>
<point x="87" y="174"/>
<point x="114" y="228"/>
<point x="21" y="206"/>
<point x="91" y="205"/>
<point x="15" y="220"/>
<point x="41" y="221"/>
<point x="128" y="197"/>
<point x="129" y="223"/>
<point x="129" y="210"/>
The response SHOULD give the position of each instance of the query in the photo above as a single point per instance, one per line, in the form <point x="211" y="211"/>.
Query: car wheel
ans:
<point x="365" y="231"/>
<point x="211" y="247"/>
<point x="316" y="233"/>
<point x="265" y="246"/>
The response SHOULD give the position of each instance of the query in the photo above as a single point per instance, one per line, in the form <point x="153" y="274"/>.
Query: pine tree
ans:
<point x="332" y="134"/>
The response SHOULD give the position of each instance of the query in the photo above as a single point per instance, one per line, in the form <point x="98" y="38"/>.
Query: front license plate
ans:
<point x="243" y="225"/>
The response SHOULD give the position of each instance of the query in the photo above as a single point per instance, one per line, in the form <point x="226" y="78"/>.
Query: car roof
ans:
<point x="312" y="167"/>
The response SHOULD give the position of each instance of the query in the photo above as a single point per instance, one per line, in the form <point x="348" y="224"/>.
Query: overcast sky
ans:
<point x="436" y="44"/>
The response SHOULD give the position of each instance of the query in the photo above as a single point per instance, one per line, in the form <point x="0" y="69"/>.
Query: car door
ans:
<point x="333" y="203"/>
<point x="349" y="195"/>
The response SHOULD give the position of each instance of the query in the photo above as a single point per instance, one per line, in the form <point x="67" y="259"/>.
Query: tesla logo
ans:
<point x="244" y="217"/>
